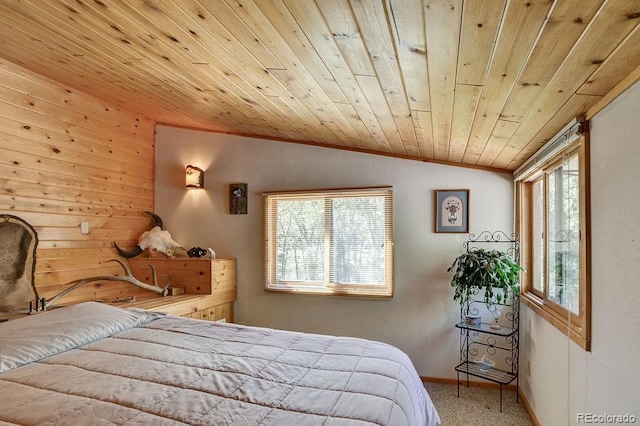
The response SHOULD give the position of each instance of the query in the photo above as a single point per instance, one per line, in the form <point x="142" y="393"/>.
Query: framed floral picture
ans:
<point x="452" y="210"/>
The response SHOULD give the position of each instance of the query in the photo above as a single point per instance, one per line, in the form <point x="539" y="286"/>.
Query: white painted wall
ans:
<point x="565" y="380"/>
<point x="419" y="319"/>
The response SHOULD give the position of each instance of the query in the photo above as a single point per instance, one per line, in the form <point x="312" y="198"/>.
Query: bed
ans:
<point x="97" y="364"/>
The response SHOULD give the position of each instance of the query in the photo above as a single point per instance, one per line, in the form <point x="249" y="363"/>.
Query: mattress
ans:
<point x="96" y="364"/>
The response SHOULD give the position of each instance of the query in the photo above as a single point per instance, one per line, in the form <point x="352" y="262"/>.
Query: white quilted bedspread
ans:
<point x="95" y="364"/>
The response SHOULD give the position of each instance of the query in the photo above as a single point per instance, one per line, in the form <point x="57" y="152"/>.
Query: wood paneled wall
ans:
<point x="67" y="158"/>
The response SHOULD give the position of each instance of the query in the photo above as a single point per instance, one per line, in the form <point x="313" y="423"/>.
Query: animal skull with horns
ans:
<point x="156" y="240"/>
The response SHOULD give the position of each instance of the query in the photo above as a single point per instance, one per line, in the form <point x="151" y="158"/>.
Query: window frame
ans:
<point x="576" y="326"/>
<point x="327" y="287"/>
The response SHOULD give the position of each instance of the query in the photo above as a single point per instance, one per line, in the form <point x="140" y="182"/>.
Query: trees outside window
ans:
<point x="329" y="242"/>
<point x="552" y="214"/>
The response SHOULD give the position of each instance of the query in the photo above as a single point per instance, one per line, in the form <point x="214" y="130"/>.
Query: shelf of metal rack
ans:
<point x="496" y="375"/>
<point x="486" y="328"/>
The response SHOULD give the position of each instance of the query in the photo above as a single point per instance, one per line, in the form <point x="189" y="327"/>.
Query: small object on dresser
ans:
<point x="197" y="252"/>
<point x="472" y="320"/>
<point x="174" y="291"/>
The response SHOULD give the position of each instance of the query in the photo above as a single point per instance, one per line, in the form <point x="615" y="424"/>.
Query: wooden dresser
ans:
<point x="210" y="286"/>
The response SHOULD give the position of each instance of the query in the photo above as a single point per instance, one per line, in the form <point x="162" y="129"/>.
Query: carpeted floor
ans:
<point x="476" y="406"/>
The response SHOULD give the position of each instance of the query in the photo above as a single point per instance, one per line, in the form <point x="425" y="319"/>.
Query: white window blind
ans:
<point x="330" y="242"/>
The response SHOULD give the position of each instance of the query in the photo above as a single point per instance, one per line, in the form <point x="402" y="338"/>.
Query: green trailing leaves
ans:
<point x="492" y="270"/>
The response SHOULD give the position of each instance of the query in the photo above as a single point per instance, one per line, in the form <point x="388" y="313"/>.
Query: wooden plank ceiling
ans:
<point x="482" y="83"/>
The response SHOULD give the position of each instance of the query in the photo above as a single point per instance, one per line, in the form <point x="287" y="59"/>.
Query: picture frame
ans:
<point x="238" y="198"/>
<point x="452" y="211"/>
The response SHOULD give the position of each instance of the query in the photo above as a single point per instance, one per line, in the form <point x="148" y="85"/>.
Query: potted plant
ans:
<point x="492" y="270"/>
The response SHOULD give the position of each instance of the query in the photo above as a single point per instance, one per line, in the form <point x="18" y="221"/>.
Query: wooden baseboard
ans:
<point x="490" y="385"/>
<point x="528" y="409"/>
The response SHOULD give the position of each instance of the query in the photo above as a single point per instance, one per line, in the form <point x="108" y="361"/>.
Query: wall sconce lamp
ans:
<point x="195" y="177"/>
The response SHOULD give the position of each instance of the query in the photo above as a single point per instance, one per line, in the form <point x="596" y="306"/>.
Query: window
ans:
<point x="335" y="242"/>
<point x="552" y="210"/>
